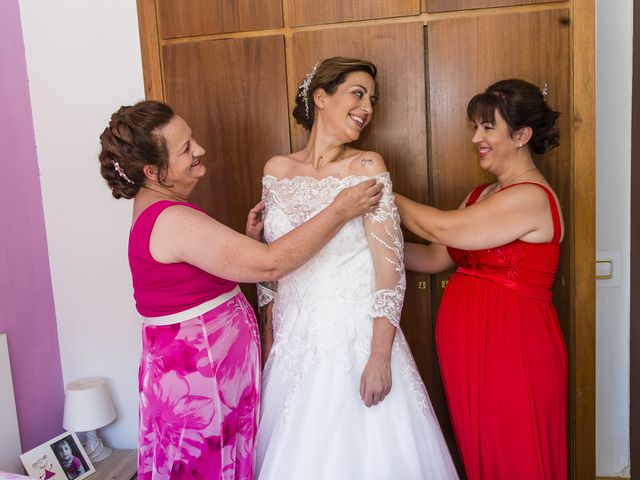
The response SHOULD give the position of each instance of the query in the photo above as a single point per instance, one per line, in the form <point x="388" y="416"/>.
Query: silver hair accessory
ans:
<point x="304" y="87"/>
<point x="545" y="90"/>
<point x="120" y="171"/>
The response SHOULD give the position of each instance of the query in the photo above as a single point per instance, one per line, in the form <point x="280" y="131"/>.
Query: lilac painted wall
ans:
<point x="27" y="312"/>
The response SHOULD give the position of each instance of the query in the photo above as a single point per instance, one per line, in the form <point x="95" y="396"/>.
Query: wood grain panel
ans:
<point x="434" y="6"/>
<point x="466" y="55"/>
<point x="233" y="94"/>
<point x="459" y="67"/>
<point x="150" y="47"/>
<point x="184" y="18"/>
<point x="312" y="12"/>
<point x="582" y="382"/>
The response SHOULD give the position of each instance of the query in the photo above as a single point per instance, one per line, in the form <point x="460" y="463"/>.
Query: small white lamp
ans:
<point x="87" y="407"/>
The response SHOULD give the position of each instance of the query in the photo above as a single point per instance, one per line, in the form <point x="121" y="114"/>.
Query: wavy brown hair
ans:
<point x="521" y="104"/>
<point x="330" y="73"/>
<point x="130" y="142"/>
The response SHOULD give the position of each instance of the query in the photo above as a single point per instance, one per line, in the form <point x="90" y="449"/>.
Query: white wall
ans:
<point x="83" y="61"/>
<point x="613" y="167"/>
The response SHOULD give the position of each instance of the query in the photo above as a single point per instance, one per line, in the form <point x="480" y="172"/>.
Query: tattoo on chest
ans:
<point x="367" y="162"/>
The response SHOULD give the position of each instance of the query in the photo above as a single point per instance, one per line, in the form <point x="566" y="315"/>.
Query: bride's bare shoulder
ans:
<point x="278" y="166"/>
<point x="366" y="163"/>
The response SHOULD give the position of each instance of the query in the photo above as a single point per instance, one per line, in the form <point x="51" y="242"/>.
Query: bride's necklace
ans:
<point x="509" y="182"/>
<point x="337" y="158"/>
<point x="171" y="196"/>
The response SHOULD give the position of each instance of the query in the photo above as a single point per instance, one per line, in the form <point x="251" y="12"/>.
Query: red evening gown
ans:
<point x="504" y="360"/>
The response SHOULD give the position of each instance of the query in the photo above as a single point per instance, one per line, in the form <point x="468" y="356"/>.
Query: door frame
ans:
<point x="582" y="345"/>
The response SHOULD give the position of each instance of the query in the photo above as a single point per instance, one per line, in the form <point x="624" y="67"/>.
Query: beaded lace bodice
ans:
<point x="290" y="202"/>
<point x="323" y="311"/>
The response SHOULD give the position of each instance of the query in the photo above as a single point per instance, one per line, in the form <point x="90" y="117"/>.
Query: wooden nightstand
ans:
<point x="120" y="465"/>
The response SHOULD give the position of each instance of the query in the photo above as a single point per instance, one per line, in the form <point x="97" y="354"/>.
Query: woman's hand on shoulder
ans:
<point x="357" y="200"/>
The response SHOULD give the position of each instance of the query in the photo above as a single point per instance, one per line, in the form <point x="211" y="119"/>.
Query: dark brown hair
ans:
<point x="329" y="74"/>
<point x="521" y="104"/>
<point x="130" y="142"/>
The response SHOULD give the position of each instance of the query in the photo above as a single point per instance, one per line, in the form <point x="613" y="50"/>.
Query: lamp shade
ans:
<point x="87" y="405"/>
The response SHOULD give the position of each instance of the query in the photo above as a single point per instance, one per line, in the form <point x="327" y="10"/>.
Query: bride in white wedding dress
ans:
<point x="342" y="398"/>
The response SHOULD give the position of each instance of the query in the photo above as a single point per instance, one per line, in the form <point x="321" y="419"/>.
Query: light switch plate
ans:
<point x="608" y="268"/>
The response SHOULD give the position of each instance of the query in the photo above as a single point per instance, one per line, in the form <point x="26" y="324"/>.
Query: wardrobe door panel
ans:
<point x="185" y="18"/>
<point x="466" y="55"/>
<point x="433" y="6"/>
<point x="233" y="94"/>
<point x="312" y="12"/>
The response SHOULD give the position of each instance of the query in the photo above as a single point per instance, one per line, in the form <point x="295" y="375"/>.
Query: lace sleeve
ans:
<point x="266" y="292"/>
<point x="387" y="249"/>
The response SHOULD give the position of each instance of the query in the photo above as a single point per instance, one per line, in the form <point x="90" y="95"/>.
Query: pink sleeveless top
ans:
<point x="167" y="288"/>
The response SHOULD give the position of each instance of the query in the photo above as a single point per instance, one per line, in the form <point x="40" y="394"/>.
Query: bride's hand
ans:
<point x="254" y="224"/>
<point x="357" y="200"/>
<point x="375" y="382"/>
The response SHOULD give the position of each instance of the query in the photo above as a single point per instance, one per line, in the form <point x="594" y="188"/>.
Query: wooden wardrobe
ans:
<point x="231" y="68"/>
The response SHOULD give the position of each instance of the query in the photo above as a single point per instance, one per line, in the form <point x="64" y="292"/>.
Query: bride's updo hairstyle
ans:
<point x="130" y="142"/>
<point x="328" y="75"/>
<point x="521" y="104"/>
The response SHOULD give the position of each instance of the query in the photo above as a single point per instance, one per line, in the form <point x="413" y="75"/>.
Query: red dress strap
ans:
<point x="555" y="214"/>
<point x="473" y="198"/>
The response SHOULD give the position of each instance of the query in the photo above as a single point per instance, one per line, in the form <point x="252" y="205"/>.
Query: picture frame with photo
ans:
<point x="61" y="458"/>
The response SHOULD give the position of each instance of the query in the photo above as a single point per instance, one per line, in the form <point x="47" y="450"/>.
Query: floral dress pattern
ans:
<point x="199" y="396"/>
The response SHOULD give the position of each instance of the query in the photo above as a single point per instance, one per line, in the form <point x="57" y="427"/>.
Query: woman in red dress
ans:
<point x="501" y="350"/>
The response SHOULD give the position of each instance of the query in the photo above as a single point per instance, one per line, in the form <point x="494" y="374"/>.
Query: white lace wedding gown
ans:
<point x="314" y="424"/>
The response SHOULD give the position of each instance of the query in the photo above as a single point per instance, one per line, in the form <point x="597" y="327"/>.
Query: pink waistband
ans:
<point x="521" y="288"/>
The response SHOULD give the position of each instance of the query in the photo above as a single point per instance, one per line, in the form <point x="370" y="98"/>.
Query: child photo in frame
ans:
<point x="61" y="458"/>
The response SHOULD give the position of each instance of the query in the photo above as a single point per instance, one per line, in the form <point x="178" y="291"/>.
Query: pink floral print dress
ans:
<point x="199" y="387"/>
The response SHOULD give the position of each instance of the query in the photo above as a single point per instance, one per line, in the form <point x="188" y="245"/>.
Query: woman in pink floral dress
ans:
<point x="200" y="369"/>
